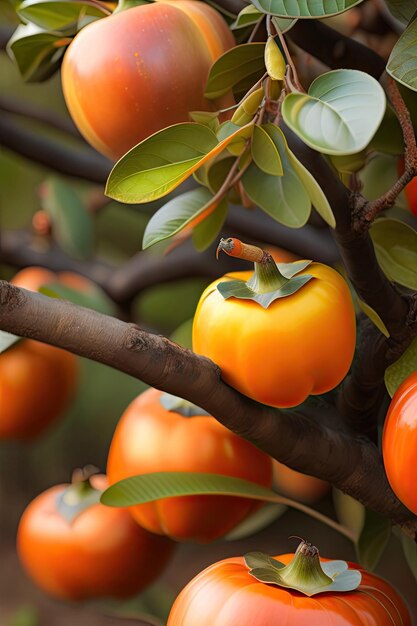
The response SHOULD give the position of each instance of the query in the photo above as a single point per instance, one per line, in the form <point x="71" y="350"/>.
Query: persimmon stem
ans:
<point x="236" y="248"/>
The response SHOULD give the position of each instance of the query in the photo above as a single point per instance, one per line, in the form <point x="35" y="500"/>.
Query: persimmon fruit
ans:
<point x="399" y="442"/>
<point x="150" y="438"/>
<point x="133" y="73"/>
<point x="100" y="552"/>
<point x="37" y="381"/>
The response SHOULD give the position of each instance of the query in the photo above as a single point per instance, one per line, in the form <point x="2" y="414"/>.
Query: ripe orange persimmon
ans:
<point x="37" y="381"/>
<point x="399" y="442"/>
<point x="226" y="594"/>
<point x="133" y="73"/>
<point x="150" y="438"/>
<point x="297" y="486"/>
<point x="299" y="345"/>
<point x="96" y="551"/>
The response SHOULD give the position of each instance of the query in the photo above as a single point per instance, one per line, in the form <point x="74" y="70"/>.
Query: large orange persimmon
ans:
<point x="151" y="438"/>
<point x="299" y="344"/>
<point x="133" y="73"/>
<point x="399" y="442"/>
<point x="227" y="594"/>
<point x="75" y="548"/>
<point x="37" y="381"/>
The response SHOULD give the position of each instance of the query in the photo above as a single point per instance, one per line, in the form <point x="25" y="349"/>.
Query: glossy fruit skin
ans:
<point x="151" y="76"/>
<point x="225" y="594"/>
<point x="300" y="345"/>
<point x="37" y="381"/>
<point x="149" y="438"/>
<point x="102" y="552"/>
<point x="399" y="442"/>
<point x="297" y="486"/>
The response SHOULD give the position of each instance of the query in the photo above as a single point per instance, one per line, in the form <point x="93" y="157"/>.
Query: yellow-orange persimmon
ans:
<point x="101" y="551"/>
<point x="133" y="73"/>
<point x="399" y="442"/>
<point x="301" y="344"/>
<point x="37" y="381"/>
<point x="151" y="438"/>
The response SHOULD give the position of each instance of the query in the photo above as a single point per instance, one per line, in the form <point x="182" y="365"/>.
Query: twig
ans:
<point x="368" y="212"/>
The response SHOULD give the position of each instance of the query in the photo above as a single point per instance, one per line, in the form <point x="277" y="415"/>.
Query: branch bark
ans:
<point x="350" y="462"/>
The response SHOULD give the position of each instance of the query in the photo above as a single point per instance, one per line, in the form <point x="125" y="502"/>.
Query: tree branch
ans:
<point x="363" y="389"/>
<point x="82" y="163"/>
<point x="334" y="49"/>
<point x="39" y="114"/>
<point x="350" y="462"/>
<point x="20" y="249"/>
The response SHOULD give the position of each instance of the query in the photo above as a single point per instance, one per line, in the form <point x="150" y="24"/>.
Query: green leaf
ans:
<point x="284" y="198"/>
<point x="160" y="163"/>
<point x="389" y="136"/>
<point x="410" y="552"/>
<point x="304" y="8"/>
<point x="349" y="163"/>
<point x="176" y="215"/>
<point x="248" y="16"/>
<point x="233" y="67"/>
<point x="374" y="317"/>
<point x="396" y="373"/>
<point x="150" y="487"/>
<point x="37" y="53"/>
<point x="163" y="161"/>
<point x="7" y="340"/>
<point x="207" y="231"/>
<point x="206" y="118"/>
<point x="379" y="175"/>
<point x="340" y="114"/>
<point x="402" y="63"/>
<point x="72" y="225"/>
<point x="317" y="197"/>
<point x="218" y="171"/>
<point x="396" y="250"/>
<point x="265" y="153"/>
<point x="58" y="14"/>
<point x="349" y="511"/>
<point x="94" y="299"/>
<point x="403" y="10"/>
<point x="373" y="539"/>
<point x="283" y="25"/>
<point x="235" y="135"/>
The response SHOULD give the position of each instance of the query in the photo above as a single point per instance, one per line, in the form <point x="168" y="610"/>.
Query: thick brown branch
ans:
<point x="351" y="463"/>
<point x="363" y="390"/>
